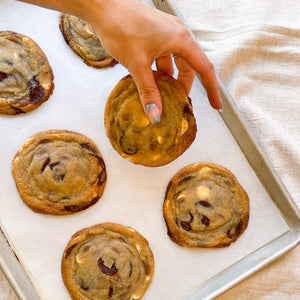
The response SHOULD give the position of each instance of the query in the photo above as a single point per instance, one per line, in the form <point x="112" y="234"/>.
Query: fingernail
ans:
<point x="153" y="113"/>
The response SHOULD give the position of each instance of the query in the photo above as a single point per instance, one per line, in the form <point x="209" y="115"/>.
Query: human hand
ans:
<point x="137" y="35"/>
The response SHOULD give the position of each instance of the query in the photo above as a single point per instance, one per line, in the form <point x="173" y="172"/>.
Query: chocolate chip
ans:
<point x="3" y="76"/>
<point x="104" y="269"/>
<point x="110" y="292"/>
<point x="36" y="92"/>
<point x="79" y="207"/>
<point x="45" y="164"/>
<point x="51" y="166"/>
<point x="205" y="220"/>
<point x="128" y="146"/>
<point x="185" y="179"/>
<point x="101" y="178"/>
<point x="69" y="250"/>
<point x="130" y="269"/>
<point x="188" y="109"/>
<point x="8" y="62"/>
<point x="84" y="287"/>
<point x="187" y="225"/>
<point x="234" y="232"/>
<point x="88" y="147"/>
<point x="204" y="203"/>
<point x="17" y="110"/>
<point x="153" y="145"/>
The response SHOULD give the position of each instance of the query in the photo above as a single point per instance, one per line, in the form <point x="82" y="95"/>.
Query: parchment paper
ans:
<point x="134" y="194"/>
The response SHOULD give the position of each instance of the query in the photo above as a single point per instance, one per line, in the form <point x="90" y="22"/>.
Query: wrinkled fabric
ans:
<point x="254" y="46"/>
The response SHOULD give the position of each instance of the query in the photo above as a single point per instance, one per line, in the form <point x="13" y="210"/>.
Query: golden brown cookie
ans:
<point x="84" y="42"/>
<point x="59" y="172"/>
<point x="26" y="78"/>
<point x="107" y="261"/>
<point x="205" y="206"/>
<point x="135" y="138"/>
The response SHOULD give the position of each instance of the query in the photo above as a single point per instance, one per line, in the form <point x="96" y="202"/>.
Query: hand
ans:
<point x="137" y="35"/>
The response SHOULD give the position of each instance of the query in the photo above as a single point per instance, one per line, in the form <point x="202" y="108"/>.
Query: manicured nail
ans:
<point x="153" y="113"/>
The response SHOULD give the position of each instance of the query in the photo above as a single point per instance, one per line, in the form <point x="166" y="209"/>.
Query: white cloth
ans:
<point x="255" y="48"/>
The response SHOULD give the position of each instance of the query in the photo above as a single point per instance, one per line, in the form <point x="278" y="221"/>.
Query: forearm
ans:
<point x="84" y="9"/>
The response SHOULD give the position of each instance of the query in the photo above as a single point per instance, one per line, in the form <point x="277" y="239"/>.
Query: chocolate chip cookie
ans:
<point x="26" y="78"/>
<point x="59" y="172"/>
<point x="107" y="261"/>
<point x="205" y="206"/>
<point x="135" y="138"/>
<point x="84" y="42"/>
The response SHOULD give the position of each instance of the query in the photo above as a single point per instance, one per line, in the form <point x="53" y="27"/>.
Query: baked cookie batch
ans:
<point x="61" y="172"/>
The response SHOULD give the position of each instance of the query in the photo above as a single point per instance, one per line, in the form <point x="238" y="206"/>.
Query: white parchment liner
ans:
<point x="134" y="194"/>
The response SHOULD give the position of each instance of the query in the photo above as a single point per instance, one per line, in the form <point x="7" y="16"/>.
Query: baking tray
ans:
<point x="31" y="245"/>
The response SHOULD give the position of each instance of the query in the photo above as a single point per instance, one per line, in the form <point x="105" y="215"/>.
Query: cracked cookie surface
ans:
<point x="84" y="42"/>
<point x="107" y="261"/>
<point x="59" y="172"/>
<point x="26" y="78"/>
<point x="205" y="206"/>
<point x="135" y="138"/>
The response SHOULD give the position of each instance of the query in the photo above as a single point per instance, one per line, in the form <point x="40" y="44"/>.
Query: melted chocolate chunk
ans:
<point x="53" y="165"/>
<point x="104" y="269"/>
<point x="45" y="164"/>
<point x="127" y="146"/>
<point x="110" y="292"/>
<point x="205" y="220"/>
<point x="185" y="179"/>
<point x="234" y="232"/>
<point x="69" y="250"/>
<point x="130" y="269"/>
<point x="187" y="225"/>
<point x="17" y="110"/>
<point x="79" y="207"/>
<point x="101" y="178"/>
<point x="88" y="147"/>
<point x="36" y="92"/>
<point x="84" y="287"/>
<point x="3" y="76"/>
<point x="204" y="203"/>
<point x="188" y="109"/>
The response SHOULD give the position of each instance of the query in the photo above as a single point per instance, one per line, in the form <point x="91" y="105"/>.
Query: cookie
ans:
<point x="107" y="261"/>
<point x="26" y="78"/>
<point x="84" y="42"/>
<point x="205" y="206"/>
<point x="135" y="138"/>
<point x="59" y="172"/>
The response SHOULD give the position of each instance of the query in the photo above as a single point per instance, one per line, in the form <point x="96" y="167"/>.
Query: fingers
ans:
<point x="165" y="64"/>
<point x="148" y="92"/>
<point x="186" y="74"/>
<point x="198" y="61"/>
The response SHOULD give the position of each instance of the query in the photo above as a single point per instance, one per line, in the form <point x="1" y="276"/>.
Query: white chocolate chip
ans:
<point x="203" y="192"/>
<point x="160" y="139"/>
<point x="205" y="170"/>
<point x="184" y="126"/>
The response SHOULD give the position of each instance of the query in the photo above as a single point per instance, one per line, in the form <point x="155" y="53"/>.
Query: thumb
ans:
<point x="149" y="94"/>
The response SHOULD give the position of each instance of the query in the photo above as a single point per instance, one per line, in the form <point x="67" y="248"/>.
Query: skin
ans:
<point x="138" y="35"/>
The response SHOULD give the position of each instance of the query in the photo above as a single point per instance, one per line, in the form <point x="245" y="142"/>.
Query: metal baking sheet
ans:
<point x="31" y="244"/>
